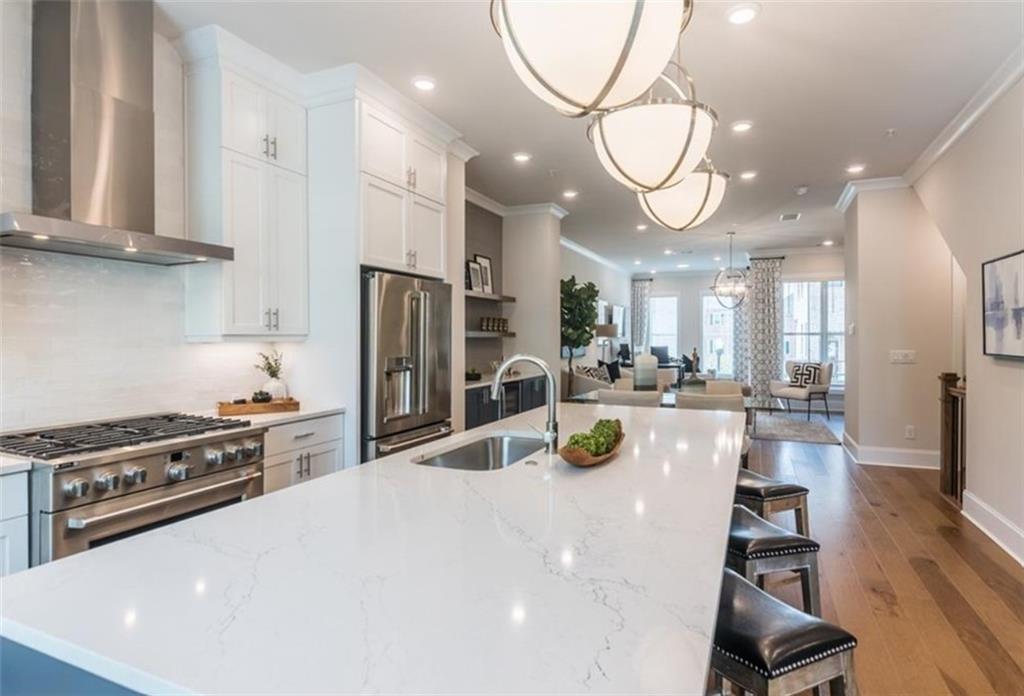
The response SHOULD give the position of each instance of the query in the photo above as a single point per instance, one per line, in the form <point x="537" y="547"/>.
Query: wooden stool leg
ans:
<point x="810" y="588"/>
<point x="803" y="523"/>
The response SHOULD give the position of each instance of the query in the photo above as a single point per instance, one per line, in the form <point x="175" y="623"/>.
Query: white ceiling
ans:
<point x="822" y="82"/>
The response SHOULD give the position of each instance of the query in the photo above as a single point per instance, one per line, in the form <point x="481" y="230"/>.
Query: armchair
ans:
<point x="780" y="389"/>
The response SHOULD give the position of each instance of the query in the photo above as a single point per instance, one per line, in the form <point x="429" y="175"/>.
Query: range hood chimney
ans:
<point x="92" y="138"/>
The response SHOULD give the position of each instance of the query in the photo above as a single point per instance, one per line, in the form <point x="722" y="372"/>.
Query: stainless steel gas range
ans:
<point x="94" y="483"/>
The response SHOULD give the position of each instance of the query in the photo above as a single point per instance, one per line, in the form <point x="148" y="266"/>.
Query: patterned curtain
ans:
<point x="764" y="326"/>
<point x="741" y="342"/>
<point x="641" y="320"/>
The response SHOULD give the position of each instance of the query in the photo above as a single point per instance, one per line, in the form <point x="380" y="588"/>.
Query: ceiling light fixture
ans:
<point x="744" y="12"/>
<point x="130" y="250"/>
<point x="730" y="286"/>
<point x="653" y="271"/>
<point x="827" y="242"/>
<point x="801" y="190"/>
<point x="855" y="169"/>
<point x="200" y="259"/>
<point x="522" y="157"/>
<point x="682" y="265"/>
<point x="637" y="262"/>
<point x="606" y="54"/>
<point x="41" y="237"/>
<point x="717" y="258"/>
<point x="570" y="194"/>
<point x="424" y="84"/>
<point x="668" y="252"/>
<point x="641" y="228"/>
<point x="690" y="202"/>
<point x="747" y="176"/>
<point x="656" y="141"/>
<point x="741" y="126"/>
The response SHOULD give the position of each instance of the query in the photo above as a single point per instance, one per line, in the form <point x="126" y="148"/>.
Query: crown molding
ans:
<point x="861" y="185"/>
<point x="836" y="249"/>
<point x="1005" y="76"/>
<point x="552" y="209"/>
<point x="463" y="150"/>
<point x="590" y="254"/>
<point x="481" y="201"/>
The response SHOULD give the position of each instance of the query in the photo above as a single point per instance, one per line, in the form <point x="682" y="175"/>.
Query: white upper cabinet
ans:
<point x="259" y="122"/>
<point x="382" y="146"/>
<point x="287" y="129"/>
<point x="246" y="289"/>
<point x="289" y="252"/>
<point x="428" y="162"/>
<point x="427" y="238"/>
<point x="384" y="221"/>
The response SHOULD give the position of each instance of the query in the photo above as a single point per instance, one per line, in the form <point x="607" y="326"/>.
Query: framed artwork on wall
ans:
<point x="486" y="276"/>
<point x="1002" y="295"/>
<point x="476" y="282"/>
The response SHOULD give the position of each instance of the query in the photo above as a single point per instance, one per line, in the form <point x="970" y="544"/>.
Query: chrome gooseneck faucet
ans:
<point x="551" y="429"/>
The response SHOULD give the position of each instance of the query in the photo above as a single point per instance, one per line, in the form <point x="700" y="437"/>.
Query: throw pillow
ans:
<point x="598" y="373"/>
<point x="805" y="374"/>
<point x="614" y="372"/>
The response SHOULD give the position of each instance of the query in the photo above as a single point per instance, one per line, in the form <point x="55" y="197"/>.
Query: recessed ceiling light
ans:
<point x="41" y="237"/>
<point x="641" y="228"/>
<point x="682" y="265"/>
<point x="200" y="258"/>
<point x="668" y="252"/>
<point x="130" y="250"/>
<point x="424" y="84"/>
<point x="721" y="268"/>
<point x="570" y="194"/>
<point x="855" y="169"/>
<point x="653" y="271"/>
<point x="637" y="262"/>
<point x="522" y="157"/>
<point x="747" y="176"/>
<point x="717" y="258"/>
<point x="789" y="217"/>
<point x="827" y="242"/>
<point x="801" y="190"/>
<point x="743" y="13"/>
<point x="742" y="126"/>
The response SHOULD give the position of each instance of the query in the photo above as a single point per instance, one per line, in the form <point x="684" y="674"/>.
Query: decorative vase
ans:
<point x="276" y="388"/>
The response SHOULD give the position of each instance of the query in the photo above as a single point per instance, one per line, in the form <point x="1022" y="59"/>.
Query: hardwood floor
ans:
<point x="937" y="607"/>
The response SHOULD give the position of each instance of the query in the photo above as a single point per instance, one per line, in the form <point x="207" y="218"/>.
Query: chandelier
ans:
<point x="655" y="142"/>
<point x="587" y="56"/>
<point x="730" y="286"/>
<point x="690" y="202"/>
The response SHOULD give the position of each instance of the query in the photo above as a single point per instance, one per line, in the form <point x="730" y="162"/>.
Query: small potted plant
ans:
<point x="270" y="365"/>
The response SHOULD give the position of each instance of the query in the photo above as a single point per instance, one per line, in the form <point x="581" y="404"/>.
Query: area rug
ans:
<point x="785" y="427"/>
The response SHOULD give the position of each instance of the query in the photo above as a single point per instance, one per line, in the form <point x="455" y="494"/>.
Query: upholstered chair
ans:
<point x="819" y="390"/>
<point x="618" y="397"/>
<point x="723" y="387"/>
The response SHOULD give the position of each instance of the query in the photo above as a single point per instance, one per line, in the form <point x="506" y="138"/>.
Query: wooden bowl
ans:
<point x="577" y="456"/>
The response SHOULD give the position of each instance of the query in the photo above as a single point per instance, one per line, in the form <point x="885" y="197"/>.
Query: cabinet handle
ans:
<point x="299" y="470"/>
<point x="266" y="146"/>
<point x="415" y="258"/>
<point x="277" y="320"/>
<point x="408" y="259"/>
<point x="266" y="320"/>
<point x="273" y="144"/>
<point x="414" y="177"/>
<point x="308" y="465"/>
<point x="303" y="436"/>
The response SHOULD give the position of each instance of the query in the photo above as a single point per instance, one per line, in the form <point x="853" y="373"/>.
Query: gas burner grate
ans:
<point x="92" y="437"/>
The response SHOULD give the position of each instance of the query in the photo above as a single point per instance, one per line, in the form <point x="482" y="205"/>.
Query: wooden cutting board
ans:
<point x="227" y="408"/>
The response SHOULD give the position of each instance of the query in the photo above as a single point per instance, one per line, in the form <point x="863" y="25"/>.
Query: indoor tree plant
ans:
<point x="579" y="314"/>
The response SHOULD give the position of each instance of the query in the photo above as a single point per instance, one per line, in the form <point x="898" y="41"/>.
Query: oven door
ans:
<point x="88" y="526"/>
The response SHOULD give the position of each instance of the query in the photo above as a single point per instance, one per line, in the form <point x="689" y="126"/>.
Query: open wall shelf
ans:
<point x="490" y="334"/>
<point x="475" y="294"/>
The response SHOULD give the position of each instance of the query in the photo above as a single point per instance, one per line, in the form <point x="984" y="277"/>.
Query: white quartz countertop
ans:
<point x="12" y="465"/>
<point x="487" y="378"/>
<point x="399" y="578"/>
<point x="268" y="420"/>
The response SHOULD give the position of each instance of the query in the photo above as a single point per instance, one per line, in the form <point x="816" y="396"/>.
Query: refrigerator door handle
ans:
<point x="423" y="362"/>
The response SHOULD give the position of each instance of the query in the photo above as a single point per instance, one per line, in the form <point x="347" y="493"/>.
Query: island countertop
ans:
<point x="399" y="578"/>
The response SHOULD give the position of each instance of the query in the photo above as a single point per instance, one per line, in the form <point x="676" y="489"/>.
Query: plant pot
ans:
<point x="276" y="388"/>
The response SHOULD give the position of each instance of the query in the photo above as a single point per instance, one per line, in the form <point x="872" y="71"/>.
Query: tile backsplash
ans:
<point x="84" y="338"/>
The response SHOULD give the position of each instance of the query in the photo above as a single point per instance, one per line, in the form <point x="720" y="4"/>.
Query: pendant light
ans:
<point x="655" y="142"/>
<point x="589" y="55"/>
<point x="690" y="202"/>
<point x="730" y="286"/>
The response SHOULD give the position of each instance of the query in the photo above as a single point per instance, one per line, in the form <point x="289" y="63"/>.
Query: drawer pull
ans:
<point x="303" y="436"/>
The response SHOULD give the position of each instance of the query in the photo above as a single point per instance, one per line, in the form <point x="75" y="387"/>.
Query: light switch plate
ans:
<point x="902" y="357"/>
<point x="851" y="329"/>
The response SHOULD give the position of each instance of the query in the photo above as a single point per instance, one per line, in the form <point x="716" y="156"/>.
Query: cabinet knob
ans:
<point x="107" y="481"/>
<point x="179" y="472"/>
<point x="136" y="474"/>
<point x="76" y="488"/>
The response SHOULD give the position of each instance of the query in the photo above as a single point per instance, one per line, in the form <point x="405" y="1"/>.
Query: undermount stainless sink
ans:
<point x="486" y="454"/>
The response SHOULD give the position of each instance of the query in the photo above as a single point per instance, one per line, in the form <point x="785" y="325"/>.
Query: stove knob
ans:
<point x="179" y="472"/>
<point x="136" y="474"/>
<point x="76" y="488"/>
<point x="233" y="452"/>
<point x="253" y="449"/>
<point x="107" y="481"/>
<point x="214" y="457"/>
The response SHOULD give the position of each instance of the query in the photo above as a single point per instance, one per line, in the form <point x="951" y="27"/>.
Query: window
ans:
<point x="716" y="335"/>
<point x="665" y="323"/>
<point x="814" y="321"/>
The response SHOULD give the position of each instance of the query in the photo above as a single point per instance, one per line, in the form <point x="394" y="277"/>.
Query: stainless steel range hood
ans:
<point x="92" y="138"/>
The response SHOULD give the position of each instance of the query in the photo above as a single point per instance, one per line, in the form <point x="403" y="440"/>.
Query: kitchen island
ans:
<point x="400" y="578"/>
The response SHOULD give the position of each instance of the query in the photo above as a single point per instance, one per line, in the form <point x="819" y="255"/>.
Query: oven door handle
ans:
<point x="86" y="522"/>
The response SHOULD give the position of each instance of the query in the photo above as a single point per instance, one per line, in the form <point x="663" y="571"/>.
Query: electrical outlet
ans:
<point x="902" y="357"/>
<point x="910" y="433"/>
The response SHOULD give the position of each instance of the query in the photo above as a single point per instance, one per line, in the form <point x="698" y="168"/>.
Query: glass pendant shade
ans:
<point x="589" y="55"/>
<point x="689" y="203"/>
<point x="730" y="288"/>
<point x="653" y="144"/>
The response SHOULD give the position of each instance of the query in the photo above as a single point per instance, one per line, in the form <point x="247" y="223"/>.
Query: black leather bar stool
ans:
<point x="758" y="547"/>
<point x="766" y="647"/>
<point x="766" y="495"/>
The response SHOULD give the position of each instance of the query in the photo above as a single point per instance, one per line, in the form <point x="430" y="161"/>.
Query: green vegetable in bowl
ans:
<point x="600" y="440"/>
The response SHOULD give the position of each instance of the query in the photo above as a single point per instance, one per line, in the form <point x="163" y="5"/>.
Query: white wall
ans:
<point x="89" y="338"/>
<point x="456" y="231"/>
<point x="613" y="284"/>
<point x="975" y="195"/>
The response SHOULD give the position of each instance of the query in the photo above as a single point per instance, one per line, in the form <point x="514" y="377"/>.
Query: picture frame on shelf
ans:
<point x="475" y="276"/>
<point x="1002" y="293"/>
<point x="487" y="276"/>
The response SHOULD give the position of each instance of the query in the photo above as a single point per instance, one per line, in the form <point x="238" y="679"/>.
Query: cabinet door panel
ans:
<point x="325" y="459"/>
<point x="13" y="545"/>
<point x="244" y="121"/>
<point x="246" y="287"/>
<point x="288" y="130"/>
<point x="384" y="211"/>
<point x="427" y="236"/>
<point x="382" y="146"/>
<point x="430" y="165"/>
<point x="281" y="471"/>
<point x="290" y="255"/>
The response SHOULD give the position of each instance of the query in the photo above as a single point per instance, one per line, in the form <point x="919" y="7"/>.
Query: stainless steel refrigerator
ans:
<point x="406" y="362"/>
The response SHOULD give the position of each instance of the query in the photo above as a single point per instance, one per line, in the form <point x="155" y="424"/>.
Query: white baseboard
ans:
<point x="999" y="529"/>
<point x="890" y="456"/>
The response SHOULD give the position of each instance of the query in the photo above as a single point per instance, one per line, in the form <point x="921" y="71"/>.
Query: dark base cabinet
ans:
<point x="516" y="397"/>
